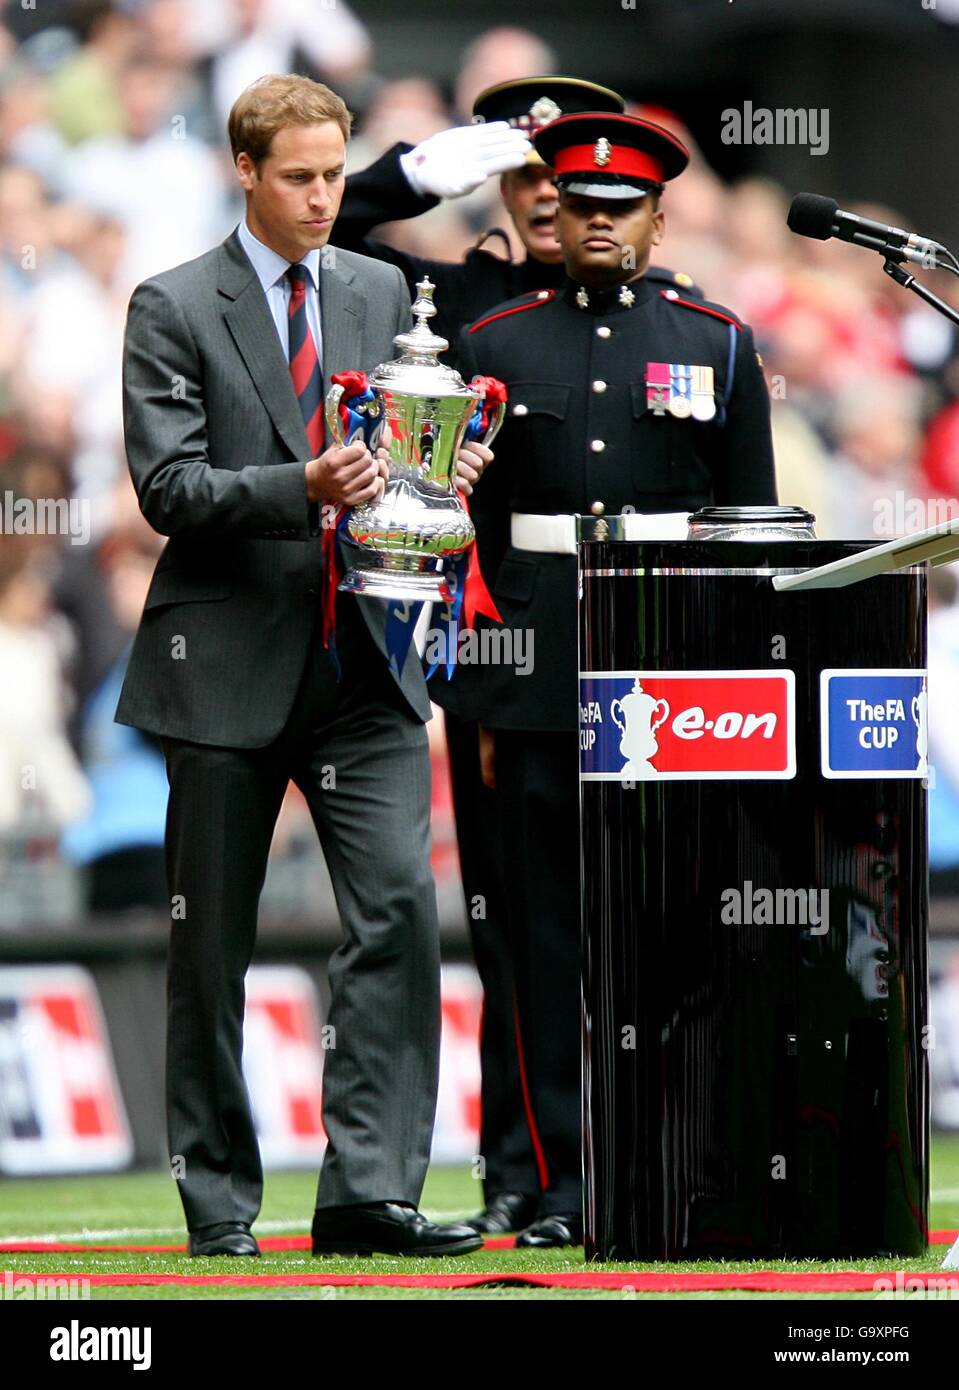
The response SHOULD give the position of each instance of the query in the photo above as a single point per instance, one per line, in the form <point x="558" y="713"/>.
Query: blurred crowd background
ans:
<point x="114" y="166"/>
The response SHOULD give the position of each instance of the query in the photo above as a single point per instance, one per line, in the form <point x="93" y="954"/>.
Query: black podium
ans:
<point x="753" y="815"/>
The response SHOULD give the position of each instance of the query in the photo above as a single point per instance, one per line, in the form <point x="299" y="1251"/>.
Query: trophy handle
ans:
<point x="496" y="419"/>
<point x="333" y="398"/>
<point x="495" y="423"/>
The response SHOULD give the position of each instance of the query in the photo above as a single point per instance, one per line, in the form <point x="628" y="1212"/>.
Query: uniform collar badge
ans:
<point x="582" y="298"/>
<point x="626" y="297"/>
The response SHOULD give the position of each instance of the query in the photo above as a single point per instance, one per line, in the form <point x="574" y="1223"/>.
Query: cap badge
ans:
<point x="602" y="152"/>
<point x="544" y="110"/>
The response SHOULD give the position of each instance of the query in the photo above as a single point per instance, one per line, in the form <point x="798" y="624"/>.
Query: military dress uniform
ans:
<point x="633" y="398"/>
<point x="464" y="291"/>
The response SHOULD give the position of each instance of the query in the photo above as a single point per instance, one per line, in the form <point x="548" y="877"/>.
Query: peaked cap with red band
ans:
<point x="529" y="103"/>
<point x="605" y="155"/>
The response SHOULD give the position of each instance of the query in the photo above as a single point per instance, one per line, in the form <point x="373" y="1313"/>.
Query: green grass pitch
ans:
<point x="143" y="1208"/>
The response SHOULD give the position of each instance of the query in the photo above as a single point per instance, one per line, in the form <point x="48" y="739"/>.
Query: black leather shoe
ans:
<point x="549" y="1232"/>
<point x="227" y="1238"/>
<point x="506" y="1211"/>
<point x="387" y="1228"/>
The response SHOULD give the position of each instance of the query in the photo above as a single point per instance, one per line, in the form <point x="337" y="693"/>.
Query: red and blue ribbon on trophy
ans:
<point x="470" y="595"/>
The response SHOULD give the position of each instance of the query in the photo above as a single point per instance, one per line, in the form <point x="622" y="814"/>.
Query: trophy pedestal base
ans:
<point x="422" y="586"/>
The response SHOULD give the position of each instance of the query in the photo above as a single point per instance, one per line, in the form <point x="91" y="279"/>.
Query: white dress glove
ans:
<point x="456" y="161"/>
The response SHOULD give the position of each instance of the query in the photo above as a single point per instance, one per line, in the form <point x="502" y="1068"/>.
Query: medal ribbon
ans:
<point x="681" y="383"/>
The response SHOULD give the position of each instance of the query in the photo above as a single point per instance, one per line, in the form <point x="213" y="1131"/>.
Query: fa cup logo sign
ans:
<point x="637" y="716"/>
<point x="919" y="705"/>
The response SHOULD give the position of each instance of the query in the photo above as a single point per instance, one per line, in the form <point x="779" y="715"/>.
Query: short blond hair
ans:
<point x="279" y="100"/>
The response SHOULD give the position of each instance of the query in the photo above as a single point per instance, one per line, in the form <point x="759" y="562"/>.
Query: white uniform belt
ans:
<point x="556" y="535"/>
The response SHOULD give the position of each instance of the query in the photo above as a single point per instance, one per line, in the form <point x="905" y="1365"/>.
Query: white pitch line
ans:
<point x="136" y="1232"/>
<point x="129" y="1232"/>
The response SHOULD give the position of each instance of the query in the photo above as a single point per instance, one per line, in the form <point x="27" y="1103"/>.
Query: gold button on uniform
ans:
<point x="597" y="509"/>
<point x="597" y="446"/>
<point x="599" y="386"/>
<point x="603" y="331"/>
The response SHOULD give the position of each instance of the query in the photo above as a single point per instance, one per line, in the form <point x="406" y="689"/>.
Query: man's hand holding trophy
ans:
<point x="403" y="452"/>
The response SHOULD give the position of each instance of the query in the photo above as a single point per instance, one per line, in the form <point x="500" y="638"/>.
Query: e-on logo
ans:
<point x="693" y="725"/>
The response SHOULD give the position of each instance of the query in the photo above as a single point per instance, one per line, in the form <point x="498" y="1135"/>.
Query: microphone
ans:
<point x="822" y="218"/>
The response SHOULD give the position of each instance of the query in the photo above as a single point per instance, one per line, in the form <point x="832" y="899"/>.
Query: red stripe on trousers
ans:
<point x="541" y="1164"/>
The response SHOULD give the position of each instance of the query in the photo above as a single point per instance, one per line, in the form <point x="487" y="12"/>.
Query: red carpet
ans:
<point x="762" y="1281"/>
<point x="268" y="1243"/>
<point x="640" y="1281"/>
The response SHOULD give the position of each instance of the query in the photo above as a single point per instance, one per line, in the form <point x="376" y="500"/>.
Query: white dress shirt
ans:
<point x="271" y="270"/>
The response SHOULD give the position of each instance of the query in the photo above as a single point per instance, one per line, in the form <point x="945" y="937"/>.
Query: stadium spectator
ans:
<point x="84" y="92"/>
<point x="40" y="779"/>
<point x="327" y="42"/>
<point x="120" y="839"/>
<point x="112" y="167"/>
<point x="877" y="438"/>
<point x="498" y="55"/>
<point x="162" y="184"/>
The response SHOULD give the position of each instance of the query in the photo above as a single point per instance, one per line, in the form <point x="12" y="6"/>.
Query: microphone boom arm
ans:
<point x="896" y="271"/>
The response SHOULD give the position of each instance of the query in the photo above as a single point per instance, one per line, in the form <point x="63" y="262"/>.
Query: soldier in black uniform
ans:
<point x="624" y="395"/>
<point x="514" y="1172"/>
<point x="468" y="288"/>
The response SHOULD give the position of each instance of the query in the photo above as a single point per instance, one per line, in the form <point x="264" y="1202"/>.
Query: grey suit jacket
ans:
<point x="216" y="447"/>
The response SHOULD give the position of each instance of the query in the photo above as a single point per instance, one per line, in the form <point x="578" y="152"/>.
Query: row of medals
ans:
<point x="687" y="391"/>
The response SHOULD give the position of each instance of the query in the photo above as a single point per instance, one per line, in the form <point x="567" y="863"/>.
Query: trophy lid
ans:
<point x="416" y="371"/>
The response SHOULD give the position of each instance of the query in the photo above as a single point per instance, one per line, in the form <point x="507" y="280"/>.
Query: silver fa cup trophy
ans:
<point x="419" y="411"/>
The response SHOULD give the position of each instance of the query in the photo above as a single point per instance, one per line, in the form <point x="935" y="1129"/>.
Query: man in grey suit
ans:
<point x="223" y="420"/>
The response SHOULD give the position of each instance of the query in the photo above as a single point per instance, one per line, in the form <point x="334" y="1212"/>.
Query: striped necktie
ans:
<point x="304" y="362"/>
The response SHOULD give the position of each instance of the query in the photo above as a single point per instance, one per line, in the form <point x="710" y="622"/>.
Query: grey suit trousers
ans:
<point x="380" y="1073"/>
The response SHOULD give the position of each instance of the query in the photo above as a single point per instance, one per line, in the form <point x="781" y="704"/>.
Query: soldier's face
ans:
<point x="531" y="200"/>
<point x="293" y="197"/>
<point x="607" y="240"/>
